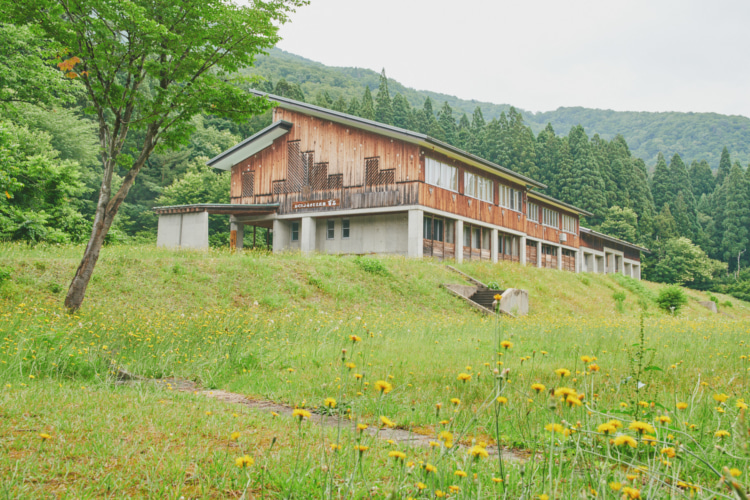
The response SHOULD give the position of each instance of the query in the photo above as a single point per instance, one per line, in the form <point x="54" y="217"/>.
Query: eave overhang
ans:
<point x="612" y="239"/>
<point x="558" y="203"/>
<point x="247" y="148"/>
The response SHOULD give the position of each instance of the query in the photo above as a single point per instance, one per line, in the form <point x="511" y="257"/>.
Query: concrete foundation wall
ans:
<point x="369" y="234"/>
<point x="183" y="231"/>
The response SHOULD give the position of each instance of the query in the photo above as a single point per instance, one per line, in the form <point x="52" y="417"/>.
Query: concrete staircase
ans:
<point x="485" y="296"/>
<point x="513" y="301"/>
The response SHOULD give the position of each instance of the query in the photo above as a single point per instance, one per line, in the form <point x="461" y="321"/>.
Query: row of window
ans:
<point x="446" y="176"/>
<point x="330" y="229"/>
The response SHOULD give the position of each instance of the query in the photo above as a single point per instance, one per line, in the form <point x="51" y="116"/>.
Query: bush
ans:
<point x="671" y="297"/>
<point x="619" y="301"/>
<point x="371" y="265"/>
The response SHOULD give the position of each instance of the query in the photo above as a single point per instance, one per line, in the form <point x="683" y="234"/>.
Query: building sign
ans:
<point x="315" y="204"/>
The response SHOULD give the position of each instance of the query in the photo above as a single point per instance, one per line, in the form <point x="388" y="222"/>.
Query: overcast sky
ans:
<point x="653" y="55"/>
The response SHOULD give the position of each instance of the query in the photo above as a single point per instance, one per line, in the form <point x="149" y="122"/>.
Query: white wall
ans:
<point x="368" y="234"/>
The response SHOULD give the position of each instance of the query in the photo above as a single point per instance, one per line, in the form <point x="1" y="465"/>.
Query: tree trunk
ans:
<point x="77" y="289"/>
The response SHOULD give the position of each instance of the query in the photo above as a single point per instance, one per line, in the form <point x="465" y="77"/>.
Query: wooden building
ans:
<point x="342" y="184"/>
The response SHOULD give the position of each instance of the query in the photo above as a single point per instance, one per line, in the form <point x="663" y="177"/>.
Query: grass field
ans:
<point x="563" y="385"/>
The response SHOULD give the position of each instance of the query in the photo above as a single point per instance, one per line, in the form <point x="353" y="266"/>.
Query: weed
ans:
<point x="672" y="299"/>
<point x="371" y="265"/>
<point x="619" y="301"/>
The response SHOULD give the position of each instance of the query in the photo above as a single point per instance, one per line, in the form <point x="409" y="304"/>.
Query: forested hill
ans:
<point x="695" y="136"/>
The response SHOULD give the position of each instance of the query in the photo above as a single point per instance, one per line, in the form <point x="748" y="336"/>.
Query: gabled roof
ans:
<point x="401" y="134"/>
<point x="250" y="146"/>
<point x="612" y="239"/>
<point x="559" y="203"/>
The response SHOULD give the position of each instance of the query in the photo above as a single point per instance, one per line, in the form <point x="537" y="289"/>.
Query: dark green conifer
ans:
<point x="383" y="105"/>
<point x="354" y="107"/>
<point x="464" y="133"/>
<point x="736" y="216"/>
<point x="340" y="104"/>
<point x="448" y="124"/>
<point x="290" y="90"/>
<point x="476" y="141"/>
<point x="584" y="187"/>
<point x="664" y="224"/>
<point x="661" y="188"/>
<point x="324" y="100"/>
<point x="367" y="108"/>
<point x="725" y="165"/>
<point x="701" y="178"/>
<point x="547" y="150"/>
<point x="402" y="113"/>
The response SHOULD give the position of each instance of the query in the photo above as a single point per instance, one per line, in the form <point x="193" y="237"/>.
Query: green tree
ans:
<point x="725" y="166"/>
<point x="701" y="179"/>
<point x="682" y="216"/>
<point x="367" y="108"/>
<point x="665" y="226"/>
<point x="425" y="119"/>
<point x="354" y="107"/>
<point x="403" y="116"/>
<point x="463" y="138"/>
<point x="683" y="263"/>
<point x="383" y="104"/>
<point x="583" y="186"/>
<point x="339" y="105"/>
<point x="641" y="201"/>
<point x="177" y="63"/>
<point x="621" y="223"/>
<point x="476" y="141"/>
<point x="447" y="124"/>
<point x="736" y="216"/>
<point x="661" y="187"/>
<point x="324" y="100"/>
<point x="547" y="158"/>
<point x="289" y="90"/>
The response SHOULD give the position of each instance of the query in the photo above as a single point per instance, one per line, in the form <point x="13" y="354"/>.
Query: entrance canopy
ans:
<point x="186" y="226"/>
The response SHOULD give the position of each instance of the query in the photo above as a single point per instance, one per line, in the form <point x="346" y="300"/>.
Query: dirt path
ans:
<point x="397" y="435"/>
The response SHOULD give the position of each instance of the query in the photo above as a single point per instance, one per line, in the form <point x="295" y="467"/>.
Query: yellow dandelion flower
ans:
<point x="721" y="434"/>
<point x="397" y="455"/>
<point x="669" y="451"/>
<point x="456" y="401"/>
<point x="506" y="344"/>
<point x="383" y="386"/>
<point x="355" y="339"/>
<point x="44" y="436"/>
<point x="453" y="488"/>
<point x="606" y="428"/>
<point x="361" y="448"/>
<point x="421" y="486"/>
<point x="300" y="413"/>
<point x="478" y="452"/>
<point x="616" y="423"/>
<point x="562" y="372"/>
<point x="682" y="405"/>
<point x="387" y="421"/>
<point x="243" y="462"/>
<point x="623" y="440"/>
<point x="330" y="402"/>
<point x="502" y="400"/>
<point x="430" y="468"/>
<point x="555" y="428"/>
<point x="721" y="398"/>
<point x="631" y="493"/>
<point x="615" y="486"/>
<point x="538" y="387"/>
<point x="641" y="427"/>
<point x="234" y="436"/>
<point x="464" y="377"/>
<point x="361" y="427"/>
<point x="741" y="405"/>
<point x="497" y="480"/>
<point x="735" y="472"/>
<point x="350" y="365"/>
<point x="573" y="401"/>
<point x="593" y="367"/>
<point x="460" y="473"/>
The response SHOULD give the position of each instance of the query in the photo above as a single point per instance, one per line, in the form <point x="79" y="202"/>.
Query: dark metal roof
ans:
<point x="613" y="239"/>
<point x="403" y="134"/>
<point x="273" y="131"/>
<point x="550" y="199"/>
<point x="219" y="208"/>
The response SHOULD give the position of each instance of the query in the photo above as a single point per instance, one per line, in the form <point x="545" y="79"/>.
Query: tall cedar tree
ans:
<point x="641" y="201"/>
<point x="447" y="124"/>
<point x="547" y="158"/>
<point x="290" y="90"/>
<point x="661" y="186"/>
<point x="383" y="104"/>
<point x="476" y="142"/>
<point x="463" y="138"/>
<point x="600" y="148"/>
<point x="584" y="187"/>
<point x="324" y="100"/>
<point x="736" y="216"/>
<point x="151" y="65"/>
<point x="367" y="108"/>
<point x="725" y="165"/>
<point x="701" y="179"/>
<point x="680" y="183"/>
<point x="340" y="104"/>
<point x="354" y="107"/>
<point x="426" y="120"/>
<point x="620" y="170"/>
<point x="402" y="113"/>
<point x="521" y="154"/>
<point x="680" y="212"/>
<point x="664" y="224"/>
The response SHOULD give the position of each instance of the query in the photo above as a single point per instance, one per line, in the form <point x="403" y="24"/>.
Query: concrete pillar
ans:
<point x="538" y="253"/>
<point x="459" y="241"/>
<point x="415" y="236"/>
<point x="281" y="235"/>
<point x="307" y="235"/>
<point x="578" y="261"/>
<point x="494" y="245"/>
<point x="238" y="229"/>
<point x="522" y="250"/>
<point x="559" y="257"/>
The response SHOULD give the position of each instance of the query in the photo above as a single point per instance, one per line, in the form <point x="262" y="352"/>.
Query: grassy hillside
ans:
<point x="363" y="339"/>
<point x="695" y="136"/>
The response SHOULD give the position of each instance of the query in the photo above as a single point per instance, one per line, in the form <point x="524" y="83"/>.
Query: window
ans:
<point x="441" y="175"/>
<point x="437" y="229"/>
<point x="532" y="210"/>
<point x="345" y="229"/>
<point x="295" y="231"/>
<point x="510" y="198"/>
<point x="550" y="218"/>
<point x="330" y="229"/>
<point x="569" y="224"/>
<point x="478" y="187"/>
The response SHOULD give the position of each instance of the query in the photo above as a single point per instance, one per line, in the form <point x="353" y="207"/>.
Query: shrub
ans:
<point x="371" y="265"/>
<point x="671" y="297"/>
<point x="619" y="301"/>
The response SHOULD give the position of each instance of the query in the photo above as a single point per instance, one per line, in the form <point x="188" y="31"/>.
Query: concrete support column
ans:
<point x="538" y="253"/>
<point x="578" y="261"/>
<point x="622" y="265"/>
<point x="459" y="241"/>
<point x="281" y="235"/>
<point x="415" y="241"/>
<point x="307" y="235"/>
<point x="236" y="233"/>
<point x="522" y="250"/>
<point x="494" y="245"/>
<point x="559" y="257"/>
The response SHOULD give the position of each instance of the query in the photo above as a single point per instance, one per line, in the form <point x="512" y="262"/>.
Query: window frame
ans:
<point x="510" y="198"/>
<point x="295" y="231"/>
<point x="331" y="229"/>
<point x="529" y="205"/>
<point x="548" y="211"/>
<point x="568" y="219"/>
<point x="443" y="169"/>
<point x="345" y="229"/>
<point x="475" y="180"/>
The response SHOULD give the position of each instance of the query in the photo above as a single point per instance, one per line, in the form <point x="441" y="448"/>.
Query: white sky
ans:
<point x="629" y="55"/>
